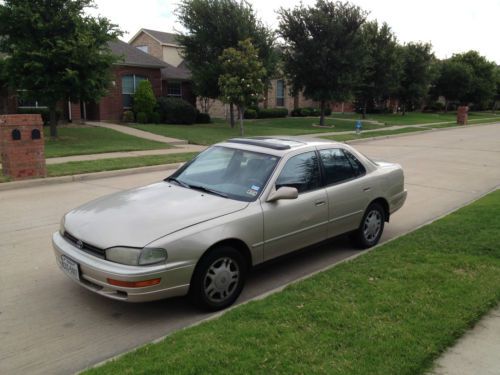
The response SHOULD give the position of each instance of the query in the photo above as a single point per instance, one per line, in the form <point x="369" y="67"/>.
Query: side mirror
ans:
<point x="284" y="192"/>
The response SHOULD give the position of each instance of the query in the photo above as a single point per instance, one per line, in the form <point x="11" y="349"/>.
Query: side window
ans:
<point x="337" y="166"/>
<point x="359" y="169"/>
<point x="301" y="172"/>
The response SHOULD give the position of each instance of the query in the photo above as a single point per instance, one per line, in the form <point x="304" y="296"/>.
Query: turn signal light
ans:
<point x="134" y="284"/>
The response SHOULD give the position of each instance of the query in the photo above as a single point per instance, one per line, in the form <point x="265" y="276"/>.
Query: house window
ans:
<point x="23" y="102"/>
<point x="174" y="89"/>
<point x="280" y="93"/>
<point x="143" y="48"/>
<point x="129" y="86"/>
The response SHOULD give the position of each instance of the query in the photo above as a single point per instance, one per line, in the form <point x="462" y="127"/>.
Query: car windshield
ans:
<point x="227" y="172"/>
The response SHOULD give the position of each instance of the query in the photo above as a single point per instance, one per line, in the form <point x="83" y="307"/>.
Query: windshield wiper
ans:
<point x="208" y="190"/>
<point x="183" y="184"/>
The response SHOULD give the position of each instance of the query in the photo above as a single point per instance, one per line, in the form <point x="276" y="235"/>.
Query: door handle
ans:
<point x="367" y="189"/>
<point x="319" y="203"/>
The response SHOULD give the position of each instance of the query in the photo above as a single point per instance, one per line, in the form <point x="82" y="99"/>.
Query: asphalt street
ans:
<point x="50" y="325"/>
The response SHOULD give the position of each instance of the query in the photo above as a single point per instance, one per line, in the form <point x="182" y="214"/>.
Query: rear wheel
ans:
<point x="370" y="230"/>
<point x="218" y="279"/>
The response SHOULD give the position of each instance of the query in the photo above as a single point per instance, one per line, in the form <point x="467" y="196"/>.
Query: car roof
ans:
<point x="276" y="145"/>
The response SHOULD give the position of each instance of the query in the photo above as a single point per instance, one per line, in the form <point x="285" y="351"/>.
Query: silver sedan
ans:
<point x="237" y="204"/>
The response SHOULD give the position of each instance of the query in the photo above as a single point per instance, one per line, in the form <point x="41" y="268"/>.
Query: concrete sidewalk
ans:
<point x="138" y="133"/>
<point x="477" y="352"/>
<point x="125" y="154"/>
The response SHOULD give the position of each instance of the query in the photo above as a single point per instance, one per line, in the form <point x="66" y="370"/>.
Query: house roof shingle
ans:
<point x="132" y="56"/>
<point x="178" y="73"/>
<point x="162" y="37"/>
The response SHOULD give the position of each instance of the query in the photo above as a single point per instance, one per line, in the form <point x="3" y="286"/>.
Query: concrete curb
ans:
<point x="282" y="287"/>
<point x="86" y="177"/>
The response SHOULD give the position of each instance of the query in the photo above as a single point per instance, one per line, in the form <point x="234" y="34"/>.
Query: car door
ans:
<point x="347" y="187"/>
<point x="292" y="224"/>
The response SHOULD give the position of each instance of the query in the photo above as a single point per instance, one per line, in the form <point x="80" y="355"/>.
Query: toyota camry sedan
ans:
<point x="237" y="204"/>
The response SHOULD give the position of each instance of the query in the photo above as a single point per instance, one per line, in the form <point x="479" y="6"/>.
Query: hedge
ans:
<point x="176" y="111"/>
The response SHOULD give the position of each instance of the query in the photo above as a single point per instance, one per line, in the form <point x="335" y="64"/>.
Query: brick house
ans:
<point x="134" y="67"/>
<point x="176" y="77"/>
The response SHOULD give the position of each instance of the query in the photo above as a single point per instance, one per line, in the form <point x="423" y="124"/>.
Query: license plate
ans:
<point x="70" y="267"/>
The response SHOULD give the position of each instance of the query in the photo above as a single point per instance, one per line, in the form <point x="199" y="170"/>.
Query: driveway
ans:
<point x="50" y="325"/>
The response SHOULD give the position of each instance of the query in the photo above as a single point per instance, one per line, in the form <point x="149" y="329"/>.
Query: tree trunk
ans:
<point x="231" y="114"/>
<point x="242" y="130"/>
<point x="404" y="109"/>
<point x="53" y="121"/>
<point x="322" y="114"/>
<point x="364" y="110"/>
<point x="446" y="106"/>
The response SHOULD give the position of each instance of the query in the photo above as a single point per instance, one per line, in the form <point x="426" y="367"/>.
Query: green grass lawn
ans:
<point x="90" y="140"/>
<point x="219" y="130"/>
<point x="79" y="167"/>
<point x="391" y="311"/>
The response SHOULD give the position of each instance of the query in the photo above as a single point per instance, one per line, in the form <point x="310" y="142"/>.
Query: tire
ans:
<point x="218" y="278"/>
<point x="371" y="228"/>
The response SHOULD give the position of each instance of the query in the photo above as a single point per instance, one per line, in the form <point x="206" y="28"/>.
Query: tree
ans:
<point x="382" y="65"/>
<point x="453" y="81"/>
<point x="242" y="79"/>
<point x="482" y="87"/>
<point x="144" y="99"/>
<point x="496" y="98"/>
<point x="55" y="51"/>
<point x="323" y="49"/>
<point x="213" y="26"/>
<point x="416" y="74"/>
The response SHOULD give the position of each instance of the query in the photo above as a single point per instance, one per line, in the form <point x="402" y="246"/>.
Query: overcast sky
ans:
<point x="451" y="26"/>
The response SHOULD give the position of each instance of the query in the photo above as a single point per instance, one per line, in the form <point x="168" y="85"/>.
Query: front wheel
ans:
<point x="218" y="278"/>
<point x="370" y="230"/>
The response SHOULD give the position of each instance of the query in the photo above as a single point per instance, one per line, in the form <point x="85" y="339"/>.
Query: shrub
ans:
<point x="128" y="116"/>
<point x="272" y="112"/>
<point x="202" y="118"/>
<point x="434" y="107"/>
<point x="144" y="99"/>
<point x="142" y="117"/>
<point x="176" y="111"/>
<point x="44" y="112"/>
<point x="305" y="112"/>
<point x="250" y="113"/>
<point x="155" y="117"/>
<point x="309" y="111"/>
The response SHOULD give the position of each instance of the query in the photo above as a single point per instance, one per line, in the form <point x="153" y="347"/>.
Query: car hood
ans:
<point x="136" y="217"/>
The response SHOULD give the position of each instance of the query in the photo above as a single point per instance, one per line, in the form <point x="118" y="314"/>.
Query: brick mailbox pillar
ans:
<point x="22" y="146"/>
<point x="462" y="115"/>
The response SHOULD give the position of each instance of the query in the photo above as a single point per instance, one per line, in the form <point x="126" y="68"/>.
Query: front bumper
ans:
<point x="94" y="272"/>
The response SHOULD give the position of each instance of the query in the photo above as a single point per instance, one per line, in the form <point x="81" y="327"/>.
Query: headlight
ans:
<point x="151" y="255"/>
<point x="61" y="226"/>
<point x="136" y="257"/>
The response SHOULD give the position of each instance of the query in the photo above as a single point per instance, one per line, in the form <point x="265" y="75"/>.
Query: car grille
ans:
<point x="84" y="246"/>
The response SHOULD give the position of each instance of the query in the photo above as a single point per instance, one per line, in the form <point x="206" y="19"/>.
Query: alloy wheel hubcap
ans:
<point x="372" y="225"/>
<point x="221" y="279"/>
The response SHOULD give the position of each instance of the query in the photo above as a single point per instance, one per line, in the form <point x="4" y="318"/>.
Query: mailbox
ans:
<point x="22" y="146"/>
